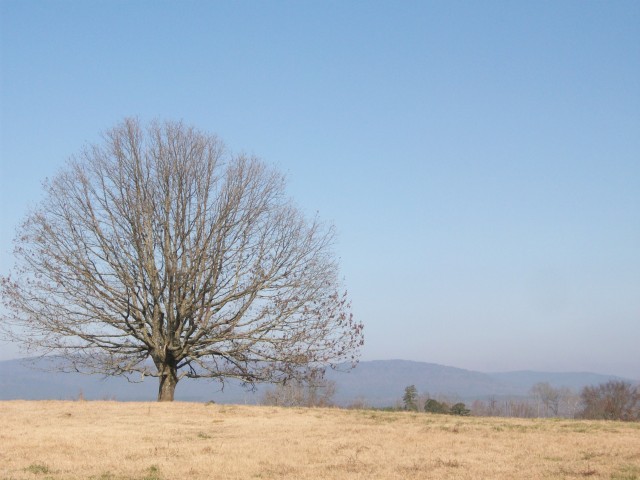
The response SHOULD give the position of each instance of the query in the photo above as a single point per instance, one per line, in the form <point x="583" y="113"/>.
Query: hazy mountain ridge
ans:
<point x="573" y="380"/>
<point x="377" y="383"/>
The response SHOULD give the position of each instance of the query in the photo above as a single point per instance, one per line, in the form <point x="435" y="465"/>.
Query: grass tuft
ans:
<point x="38" y="468"/>
<point x="448" y="463"/>
<point x="627" y="472"/>
<point x="153" y="473"/>
<point x="104" y="476"/>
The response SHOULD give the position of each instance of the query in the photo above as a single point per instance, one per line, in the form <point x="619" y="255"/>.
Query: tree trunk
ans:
<point x="168" y="382"/>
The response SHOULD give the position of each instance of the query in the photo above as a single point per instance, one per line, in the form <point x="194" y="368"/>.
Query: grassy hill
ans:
<point x="156" y="441"/>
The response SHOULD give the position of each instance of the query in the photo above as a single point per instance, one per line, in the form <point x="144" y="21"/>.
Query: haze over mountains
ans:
<point x="377" y="383"/>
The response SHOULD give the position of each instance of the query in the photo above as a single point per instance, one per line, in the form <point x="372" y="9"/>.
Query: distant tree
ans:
<point x="410" y="398"/>
<point x="434" y="406"/>
<point x="359" y="403"/>
<point x="614" y="400"/>
<point x="460" y="409"/>
<point x="571" y="403"/>
<point x="299" y="393"/>
<point x="519" y="408"/>
<point x="157" y="253"/>
<point x="493" y="408"/>
<point x="548" y="397"/>
<point x="479" y="408"/>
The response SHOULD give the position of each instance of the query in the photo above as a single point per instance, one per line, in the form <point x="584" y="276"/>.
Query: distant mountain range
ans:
<point x="382" y="382"/>
<point x="377" y="383"/>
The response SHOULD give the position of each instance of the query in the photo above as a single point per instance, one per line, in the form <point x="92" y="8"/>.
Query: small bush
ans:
<point x="460" y="409"/>
<point x="434" y="406"/>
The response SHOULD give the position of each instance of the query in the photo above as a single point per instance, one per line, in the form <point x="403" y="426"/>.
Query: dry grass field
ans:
<point x="152" y="441"/>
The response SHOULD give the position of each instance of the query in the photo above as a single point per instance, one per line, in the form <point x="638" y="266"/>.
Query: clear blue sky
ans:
<point x="480" y="160"/>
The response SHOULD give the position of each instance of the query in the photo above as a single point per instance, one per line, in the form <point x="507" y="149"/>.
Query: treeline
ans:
<point x="411" y="401"/>
<point x="613" y="400"/>
<point x="543" y="401"/>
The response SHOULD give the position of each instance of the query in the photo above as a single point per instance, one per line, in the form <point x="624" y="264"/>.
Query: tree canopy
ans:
<point x="156" y="252"/>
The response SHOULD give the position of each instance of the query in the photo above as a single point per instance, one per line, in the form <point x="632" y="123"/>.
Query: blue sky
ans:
<point x="480" y="160"/>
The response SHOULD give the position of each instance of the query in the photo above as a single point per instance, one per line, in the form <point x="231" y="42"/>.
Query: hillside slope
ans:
<point x="377" y="383"/>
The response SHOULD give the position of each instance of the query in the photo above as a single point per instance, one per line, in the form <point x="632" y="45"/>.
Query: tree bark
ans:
<point x="168" y="382"/>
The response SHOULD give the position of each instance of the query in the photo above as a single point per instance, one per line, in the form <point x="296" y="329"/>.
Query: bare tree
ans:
<point x="614" y="400"/>
<point x="297" y="393"/>
<point x="548" y="396"/>
<point x="158" y="244"/>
